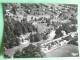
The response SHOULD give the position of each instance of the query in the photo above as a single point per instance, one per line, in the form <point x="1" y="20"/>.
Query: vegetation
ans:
<point x="37" y="20"/>
<point x="31" y="51"/>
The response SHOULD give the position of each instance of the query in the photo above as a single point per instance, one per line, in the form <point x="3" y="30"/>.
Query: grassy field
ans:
<point x="64" y="51"/>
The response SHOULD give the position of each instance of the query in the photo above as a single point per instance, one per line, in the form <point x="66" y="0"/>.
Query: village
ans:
<point x="46" y="27"/>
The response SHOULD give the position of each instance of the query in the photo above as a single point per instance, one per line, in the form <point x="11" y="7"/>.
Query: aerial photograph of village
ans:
<point x="38" y="30"/>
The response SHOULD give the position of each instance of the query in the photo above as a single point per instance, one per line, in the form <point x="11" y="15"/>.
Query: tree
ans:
<point x="29" y="52"/>
<point x="35" y="37"/>
<point x="10" y="39"/>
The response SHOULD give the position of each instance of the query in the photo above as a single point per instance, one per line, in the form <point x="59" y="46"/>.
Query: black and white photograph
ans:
<point x="39" y="30"/>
